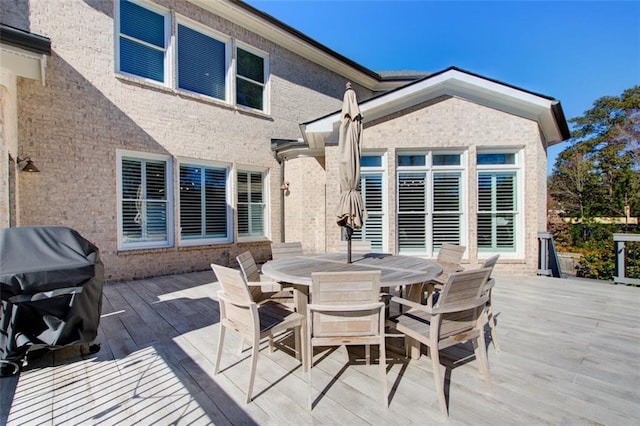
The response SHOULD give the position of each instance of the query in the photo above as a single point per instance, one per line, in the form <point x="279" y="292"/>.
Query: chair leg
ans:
<point x="439" y="379"/>
<point x="255" y="351"/>
<point x="271" y="345"/>
<point x="480" y="350"/>
<point x="219" y="350"/>
<point x="383" y="372"/>
<point x="367" y="354"/>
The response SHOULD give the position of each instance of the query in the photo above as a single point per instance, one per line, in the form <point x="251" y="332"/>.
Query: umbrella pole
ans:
<point x="349" y="233"/>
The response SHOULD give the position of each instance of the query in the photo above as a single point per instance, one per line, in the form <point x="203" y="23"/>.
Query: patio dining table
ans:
<point x="396" y="270"/>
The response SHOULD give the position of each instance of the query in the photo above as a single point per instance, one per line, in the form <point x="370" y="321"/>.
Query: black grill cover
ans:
<point x="51" y="289"/>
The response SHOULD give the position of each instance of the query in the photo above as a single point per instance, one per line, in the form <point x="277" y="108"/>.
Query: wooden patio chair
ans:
<point x="449" y="257"/>
<point x="346" y="310"/>
<point x="240" y="313"/>
<point x="284" y="250"/>
<point x="262" y="289"/>
<point x="456" y="317"/>
<point x="490" y="319"/>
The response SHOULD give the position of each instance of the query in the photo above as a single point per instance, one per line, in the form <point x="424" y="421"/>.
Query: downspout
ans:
<point x="283" y="189"/>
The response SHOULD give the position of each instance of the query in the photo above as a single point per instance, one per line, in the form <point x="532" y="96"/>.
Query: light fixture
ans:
<point x="25" y="164"/>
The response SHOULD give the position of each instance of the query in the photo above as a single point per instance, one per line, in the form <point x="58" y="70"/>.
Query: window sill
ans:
<point x="158" y="87"/>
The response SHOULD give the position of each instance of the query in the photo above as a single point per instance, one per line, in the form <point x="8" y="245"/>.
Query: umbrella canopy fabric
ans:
<point x="351" y="212"/>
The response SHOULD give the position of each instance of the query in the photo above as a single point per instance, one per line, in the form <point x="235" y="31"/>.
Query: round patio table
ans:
<point x="395" y="271"/>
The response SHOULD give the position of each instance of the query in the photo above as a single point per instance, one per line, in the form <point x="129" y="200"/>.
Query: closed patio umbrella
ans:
<point x="351" y="212"/>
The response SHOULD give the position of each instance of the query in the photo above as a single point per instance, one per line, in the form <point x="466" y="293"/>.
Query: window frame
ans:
<point x="266" y="75"/>
<point x="144" y="156"/>
<point x="189" y="242"/>
<point x="216" y="35"/>
<point x="429" y="209"/>
<point x="265" y="201"/>
<point x="168" y="56"/>
<point x="518" y="169"/>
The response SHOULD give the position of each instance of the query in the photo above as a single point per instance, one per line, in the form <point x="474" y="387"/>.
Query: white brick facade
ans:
<point x="74" y="126"/>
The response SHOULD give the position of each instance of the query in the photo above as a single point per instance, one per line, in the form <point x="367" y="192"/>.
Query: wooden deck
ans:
<point x="570" y="355"/>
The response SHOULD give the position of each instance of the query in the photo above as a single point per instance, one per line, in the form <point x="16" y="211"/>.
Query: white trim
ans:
<point x="449" y="83"/>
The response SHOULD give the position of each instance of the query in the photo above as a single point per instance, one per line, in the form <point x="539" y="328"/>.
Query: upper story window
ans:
<point x="144" y="204"/>
<point x="197" y="60"/>
<point x="143" y="41"/>
<point x="251" y="78"/>
<point x="202" y="62"/>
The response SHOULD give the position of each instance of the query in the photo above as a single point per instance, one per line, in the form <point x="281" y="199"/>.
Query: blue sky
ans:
<point x="574" y="51"/>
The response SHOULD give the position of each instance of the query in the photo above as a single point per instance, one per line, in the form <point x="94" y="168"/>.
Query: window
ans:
<point x="430" y="202"/>
<point x="204" y="205"/>
<point x="251" y="77"/>
<point x="144" y="186"/>
<point x="142" y="42"/>
<point x="202" y="63"/>
<point x="251" y="204"/>
<point x="497" y="202"/>
<point x="373" y="196"/>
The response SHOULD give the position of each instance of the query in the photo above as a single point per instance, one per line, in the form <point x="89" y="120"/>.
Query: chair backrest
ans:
<point x="251" y="273"/>
<point x="357" y="246"/>
<point x="236" y="304"/>
<point x="337" y="292"/>
<point x="462" y="298"/>
<point x="450" y="253"/>
<point x="283" y="250"/>
<point x="491" y="262"/>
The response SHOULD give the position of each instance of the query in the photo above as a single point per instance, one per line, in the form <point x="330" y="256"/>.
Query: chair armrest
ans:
<point x="412" y="305"/>
<point x="459" y="307"/>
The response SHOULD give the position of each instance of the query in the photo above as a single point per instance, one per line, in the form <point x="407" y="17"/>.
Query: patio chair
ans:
<point x="262" y="289"/>
<point x="449" y="257"/>
<point x="239" y="312"/>
<point x="357" y="246"/>
<point x="346" y="310"/>
<point x="490" y="263"/>
<point x="284" y="250"/>
<point x="456" y="318"/>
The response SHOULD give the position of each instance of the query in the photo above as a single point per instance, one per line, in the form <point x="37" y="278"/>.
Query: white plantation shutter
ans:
<point x="371" y="190"/>
<point x="497" y="210"/>
<point x="144" y="208"/>
<point x="251" y="206"/>
<point x="447" y="208"/>
<point x="203" y="202"/>
<point x="412" y="211"/>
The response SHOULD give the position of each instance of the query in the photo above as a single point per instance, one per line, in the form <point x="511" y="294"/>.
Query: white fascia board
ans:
<point x="452" y="83"/>
<point x="22" y="63"/>
<point x="281" y="37"/>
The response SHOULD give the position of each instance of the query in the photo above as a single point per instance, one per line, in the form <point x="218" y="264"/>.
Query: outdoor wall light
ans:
<point x="25" y="164"/>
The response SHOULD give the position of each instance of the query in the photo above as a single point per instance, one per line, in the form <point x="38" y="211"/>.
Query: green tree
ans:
<point x="599" y="173"/>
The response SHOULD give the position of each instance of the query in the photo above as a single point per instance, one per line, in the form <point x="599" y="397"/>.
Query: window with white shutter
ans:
<point x="251" y="204"/>
<point x="204" y="205"/>
<point x="144" y="187"/>
<point x="497" y="202"/>
<point x="430" y="203"/>
<point x="372" y="184"/>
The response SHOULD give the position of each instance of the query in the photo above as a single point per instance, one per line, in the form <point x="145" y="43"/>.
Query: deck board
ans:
<point x="570" y="354"/>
